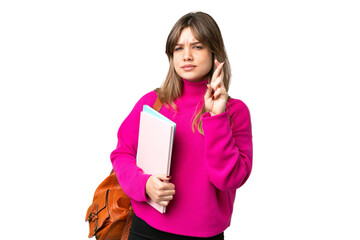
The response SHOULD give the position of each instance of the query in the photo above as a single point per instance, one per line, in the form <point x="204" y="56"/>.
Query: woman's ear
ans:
<point x="213" y="57"/>
<point x="213" y="62"/>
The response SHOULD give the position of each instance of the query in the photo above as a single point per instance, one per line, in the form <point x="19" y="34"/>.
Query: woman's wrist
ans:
<point x="216" y="113"/>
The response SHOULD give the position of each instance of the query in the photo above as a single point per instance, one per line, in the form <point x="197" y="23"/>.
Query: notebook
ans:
<point x="156" y="136"/>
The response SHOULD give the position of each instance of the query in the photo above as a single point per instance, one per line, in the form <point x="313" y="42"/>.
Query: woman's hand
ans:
<point x="216" y="95"/>
<point x="159" y="189"/>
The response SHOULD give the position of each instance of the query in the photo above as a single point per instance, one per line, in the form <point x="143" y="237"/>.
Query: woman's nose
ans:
<point x="188" y="54"/>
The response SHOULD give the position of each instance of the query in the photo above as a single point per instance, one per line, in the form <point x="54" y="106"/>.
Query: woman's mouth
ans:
<point x="188" y="67"/>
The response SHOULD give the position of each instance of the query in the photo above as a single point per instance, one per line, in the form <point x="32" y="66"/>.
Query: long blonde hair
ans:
<point x="205" y="30"/>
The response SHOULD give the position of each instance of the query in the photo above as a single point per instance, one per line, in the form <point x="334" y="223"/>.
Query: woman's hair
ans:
<point x="205" y="30"/>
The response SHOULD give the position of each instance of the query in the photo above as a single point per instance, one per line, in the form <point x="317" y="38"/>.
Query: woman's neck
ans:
<point x="194" y="89"/>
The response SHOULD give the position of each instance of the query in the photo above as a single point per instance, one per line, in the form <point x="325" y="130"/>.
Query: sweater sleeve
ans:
<point x="228" y="146"/>
<point x="131" y="178"/>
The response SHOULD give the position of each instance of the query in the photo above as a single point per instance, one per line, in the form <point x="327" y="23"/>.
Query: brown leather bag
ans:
<point x="110" y="214"/>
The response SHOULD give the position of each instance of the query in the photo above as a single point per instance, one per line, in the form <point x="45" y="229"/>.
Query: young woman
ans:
<point x="212" y="151"/>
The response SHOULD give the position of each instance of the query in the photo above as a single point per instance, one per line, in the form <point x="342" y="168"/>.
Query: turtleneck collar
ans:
<point x="194" y="90"/>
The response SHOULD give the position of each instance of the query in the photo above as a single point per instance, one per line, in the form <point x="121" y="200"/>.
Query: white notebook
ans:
<point x="156" y="136"/>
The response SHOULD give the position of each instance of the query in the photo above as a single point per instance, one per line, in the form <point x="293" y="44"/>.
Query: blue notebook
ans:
<point x="155" y="113"/>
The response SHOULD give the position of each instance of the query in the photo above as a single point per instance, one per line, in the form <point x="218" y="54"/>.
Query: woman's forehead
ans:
<point x="187" y="37"/>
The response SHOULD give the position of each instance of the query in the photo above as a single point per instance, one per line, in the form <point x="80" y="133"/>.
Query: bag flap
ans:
<point x="97" y="213"/>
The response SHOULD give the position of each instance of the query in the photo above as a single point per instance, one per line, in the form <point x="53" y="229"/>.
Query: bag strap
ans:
<point x="158" y="104"/>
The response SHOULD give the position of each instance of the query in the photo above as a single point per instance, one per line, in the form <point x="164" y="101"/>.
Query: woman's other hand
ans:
<point x="216" y="95"/>
<point x="159" y="189"/>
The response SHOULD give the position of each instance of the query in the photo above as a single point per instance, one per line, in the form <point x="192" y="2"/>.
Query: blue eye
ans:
<point x="178" y="49"/>
<point x="199" y="47"/>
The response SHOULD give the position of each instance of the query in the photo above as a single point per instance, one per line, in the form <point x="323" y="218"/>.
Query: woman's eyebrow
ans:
<point x="193" y="43"/>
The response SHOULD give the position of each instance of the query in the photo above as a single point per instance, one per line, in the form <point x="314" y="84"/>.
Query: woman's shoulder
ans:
<point x="239" y="113"/>
<point x="236" y="105"/>
<point x="237" y="109"/>
<point x="148" y="99"/>
<point x="149" y="96"/>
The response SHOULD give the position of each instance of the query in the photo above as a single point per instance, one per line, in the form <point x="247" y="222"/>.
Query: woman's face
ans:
<point x="192" y="60"/>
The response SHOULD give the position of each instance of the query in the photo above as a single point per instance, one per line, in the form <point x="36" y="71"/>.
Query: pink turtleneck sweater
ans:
<point x="206" y="169"/>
